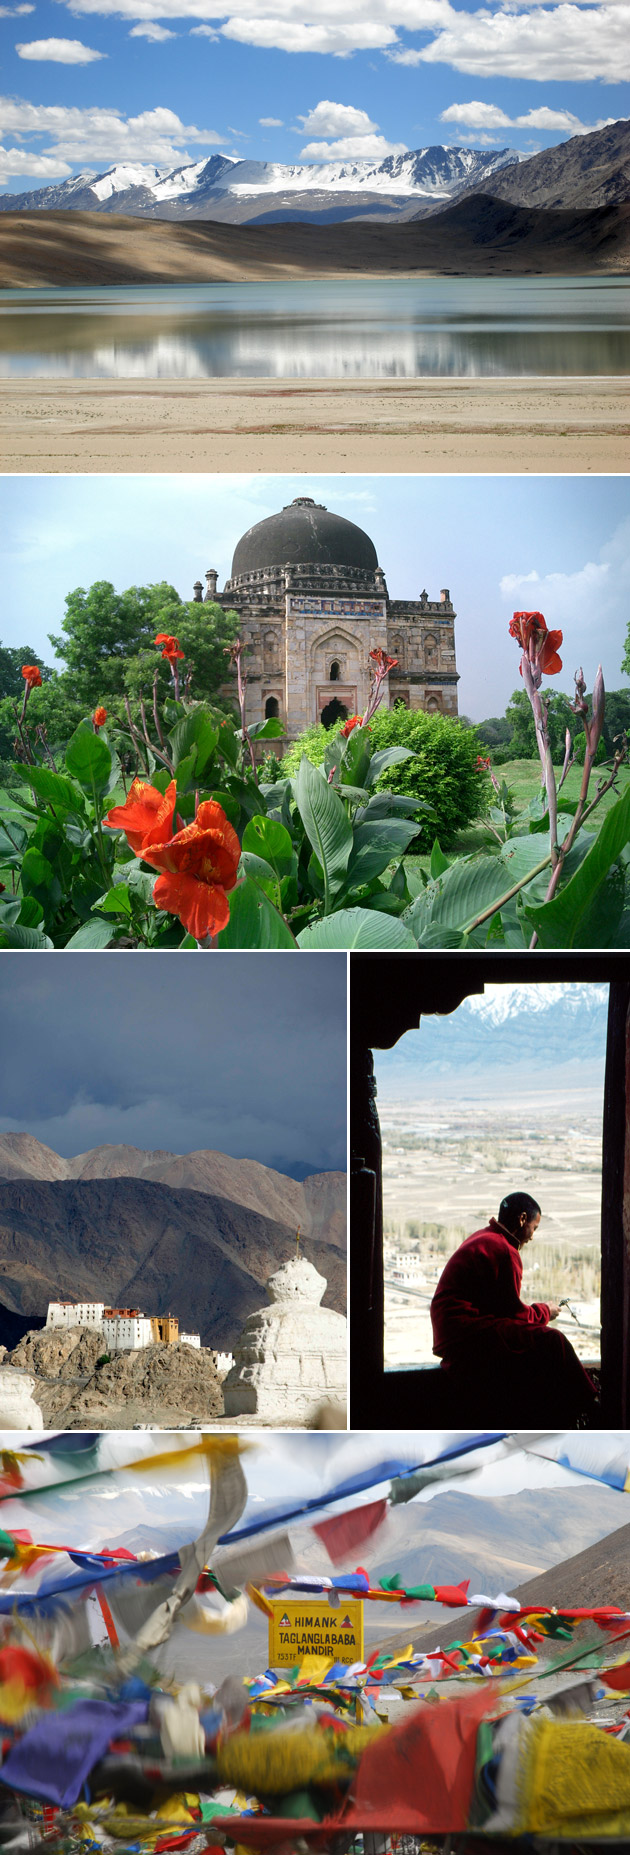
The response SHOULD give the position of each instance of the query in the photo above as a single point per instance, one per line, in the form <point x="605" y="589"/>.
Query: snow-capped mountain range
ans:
<point x="223" y="187"/>
<point x="524" y="1030"/>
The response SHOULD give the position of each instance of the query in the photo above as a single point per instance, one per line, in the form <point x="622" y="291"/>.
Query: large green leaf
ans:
<point x="13" y="839"/>
<point x="38" y="877"/>
<point x="375" y="844"/>
<point x="387" y="756"/>
<point x="571" y="918"/>
<point x="262" y="873"/>
<point x="357" y="927"/>
<point x="267" y="838"/>
<point x="88" y="759"/>
<point x="353" y="761"/>
<point x="326" y="823"/>
<point x="24" y="937"/>
<point x="93" y="934"/>
<point x="389" y="804"/>
<point x="10" y="909"/>
<point x="54" y="789"/>
<point x="269" y="730"/>
<point x="467" y="887"/>
<point x="254" y="922"/>
<point x="439" y="863"/>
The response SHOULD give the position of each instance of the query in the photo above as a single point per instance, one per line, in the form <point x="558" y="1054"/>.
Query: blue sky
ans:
<point x="560" y="545"/>
<point x="89" y="82"/>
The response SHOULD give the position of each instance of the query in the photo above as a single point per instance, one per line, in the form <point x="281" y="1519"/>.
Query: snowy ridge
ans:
<point x="500" y="1003"/>
<point x="435" y="175"/>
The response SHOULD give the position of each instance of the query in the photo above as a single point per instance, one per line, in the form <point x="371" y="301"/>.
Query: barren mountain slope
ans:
<point x="479" y="236"/>
<point x="134" y="1242"/>
<point x="589" y="170"/>
<point x="242" y="1181"/>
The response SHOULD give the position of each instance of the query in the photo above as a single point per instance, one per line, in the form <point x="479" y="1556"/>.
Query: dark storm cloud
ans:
<point x="244" y="1053"/>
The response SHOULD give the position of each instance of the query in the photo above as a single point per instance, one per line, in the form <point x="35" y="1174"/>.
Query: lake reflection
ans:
<point x="381" y="329"/>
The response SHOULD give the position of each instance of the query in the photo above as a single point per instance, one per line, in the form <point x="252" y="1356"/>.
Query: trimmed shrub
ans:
<point x="444" y="772"/>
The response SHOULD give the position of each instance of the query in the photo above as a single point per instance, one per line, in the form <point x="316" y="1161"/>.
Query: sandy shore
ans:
<point x="556" y="425"/>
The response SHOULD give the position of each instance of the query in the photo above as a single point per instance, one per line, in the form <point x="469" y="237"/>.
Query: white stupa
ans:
<point x="291" y="1357"/>
<point x="18" y="1410"/>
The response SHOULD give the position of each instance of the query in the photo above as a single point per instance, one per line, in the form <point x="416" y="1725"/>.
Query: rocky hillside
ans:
<point x="160" y="1385"/>
<point x="589" y="170"/>
<point x="137" y="1242"/>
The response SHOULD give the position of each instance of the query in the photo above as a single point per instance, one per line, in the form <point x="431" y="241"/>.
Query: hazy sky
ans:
<point x="558" y="544"/>
<point x="91" y="82"/>
<point x="241" y="1053"/>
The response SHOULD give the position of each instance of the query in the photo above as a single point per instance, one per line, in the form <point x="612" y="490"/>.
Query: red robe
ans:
<point x="505" y="1366"/>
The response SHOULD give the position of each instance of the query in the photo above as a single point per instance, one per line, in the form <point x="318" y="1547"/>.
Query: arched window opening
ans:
<point x="335" y="671"/>
<point x="432" y="705"/>
<point x="334" y="711"/>
<point x="272" y="708"/>
<point x="425" y="1221"/>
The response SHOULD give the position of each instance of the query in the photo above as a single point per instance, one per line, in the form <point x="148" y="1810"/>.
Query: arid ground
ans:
<point x="428" y="426"/>
<point x="446" y="1167"/>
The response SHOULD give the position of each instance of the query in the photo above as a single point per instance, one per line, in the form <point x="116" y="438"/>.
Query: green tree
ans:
<point x="205" y="633"/>
<point x="521" y="720"/>
<point x="102" y="629"/>
<point x="11" y="660"/>
<point x="108" y="642"/>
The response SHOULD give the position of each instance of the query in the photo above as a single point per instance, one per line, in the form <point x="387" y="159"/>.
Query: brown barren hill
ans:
<point x="478" y="236"/>
<point x="599" y="1575"/>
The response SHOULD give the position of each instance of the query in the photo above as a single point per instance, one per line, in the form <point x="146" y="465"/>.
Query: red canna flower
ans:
<point x="99" y="718"/>
<point x="200" y="865"/>
<point x="540" y="645"/>
<point x="145" y="813"/>
<point x="482" y="762"/>
<point x="32" y="676"/>
<point x="354" y="721"/>
<point x="171" y="649"/>
<point x="382" y="661"/>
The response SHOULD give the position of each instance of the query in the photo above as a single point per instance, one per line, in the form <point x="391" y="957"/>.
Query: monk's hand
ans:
<point x="553" y="1310"/>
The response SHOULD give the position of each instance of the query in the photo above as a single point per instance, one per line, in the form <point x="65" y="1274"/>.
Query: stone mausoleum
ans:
<point x="312" y="603"/>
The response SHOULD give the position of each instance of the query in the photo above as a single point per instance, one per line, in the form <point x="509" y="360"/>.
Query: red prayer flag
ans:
<point x="345" y="1532"/>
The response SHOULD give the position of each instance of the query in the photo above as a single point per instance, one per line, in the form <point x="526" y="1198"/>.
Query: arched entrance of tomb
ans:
<point x="334" y="711"/>
<point x="272" y="708"/>
<point x="389" y="995"/>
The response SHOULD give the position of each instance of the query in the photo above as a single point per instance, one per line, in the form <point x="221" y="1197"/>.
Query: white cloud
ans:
<point x="15" y="12"/>
<point x="298" y="36"/>
<point x="95" y="136"/>
<point x="330" y="119"/>
<point x="488" y="115"/>
<point x="353" y="148"/>
<point x="569" y="600"/>
<point x="559" y="42"/>
<point x="16" y="162"/>
<point x="270" y="122"/>
<point x="204" y="32"/>
<point x="476" y="115"/>
<point x="58" y="51"/>
<point x="149" y="29"/>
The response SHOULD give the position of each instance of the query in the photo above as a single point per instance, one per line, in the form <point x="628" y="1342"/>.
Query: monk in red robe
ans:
<point x="503" y="1364"/>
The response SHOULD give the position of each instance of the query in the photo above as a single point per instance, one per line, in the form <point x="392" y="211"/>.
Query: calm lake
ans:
<point x="388" y="329"/>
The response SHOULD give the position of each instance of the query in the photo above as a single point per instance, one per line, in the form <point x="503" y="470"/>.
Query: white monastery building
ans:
<point x="123" y="1329"/>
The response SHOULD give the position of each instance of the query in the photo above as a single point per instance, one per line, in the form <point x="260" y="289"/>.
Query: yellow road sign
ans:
<point x="299" y="1629"/>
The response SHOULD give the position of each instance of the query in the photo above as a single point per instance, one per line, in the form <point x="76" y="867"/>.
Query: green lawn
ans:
<point x="523" y="779"/>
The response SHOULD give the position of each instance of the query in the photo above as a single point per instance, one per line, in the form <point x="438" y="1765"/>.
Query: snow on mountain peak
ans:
<point x="499" y="1003"/>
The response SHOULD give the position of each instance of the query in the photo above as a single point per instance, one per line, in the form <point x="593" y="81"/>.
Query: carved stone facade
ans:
<point x="312" y="603"/>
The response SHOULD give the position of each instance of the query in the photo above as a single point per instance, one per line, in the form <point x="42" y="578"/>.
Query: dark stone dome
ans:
<point x="303" y="534"/>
